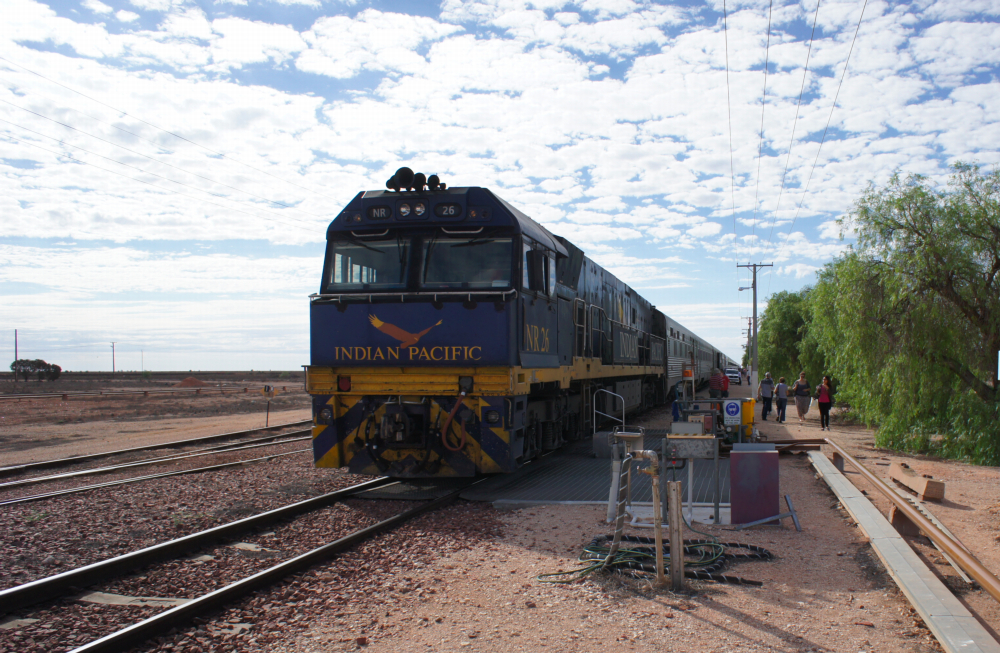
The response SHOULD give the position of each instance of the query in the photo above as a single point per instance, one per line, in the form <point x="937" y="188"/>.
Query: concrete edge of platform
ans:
<point x="952" y="624"/>
<point x="515" y="504"/>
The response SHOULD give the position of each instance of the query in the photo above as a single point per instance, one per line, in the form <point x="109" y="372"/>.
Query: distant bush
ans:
<point x="24" y="368"/>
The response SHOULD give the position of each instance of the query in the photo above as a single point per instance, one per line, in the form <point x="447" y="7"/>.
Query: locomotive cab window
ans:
<point x="467" y="263"/>
<point x="355" y="265"/>
<point x="418" y="261"/>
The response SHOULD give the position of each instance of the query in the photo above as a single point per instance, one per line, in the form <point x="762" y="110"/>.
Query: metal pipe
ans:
<point x="654" y="472"/>
<point x="966" y="560"/>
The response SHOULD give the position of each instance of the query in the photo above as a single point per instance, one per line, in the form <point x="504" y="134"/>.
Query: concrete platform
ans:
<point x="951" y="622"/>
<point x="574" y="475"/>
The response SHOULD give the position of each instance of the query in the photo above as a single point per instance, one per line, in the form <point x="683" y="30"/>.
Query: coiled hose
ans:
<point x="704" y="559"/>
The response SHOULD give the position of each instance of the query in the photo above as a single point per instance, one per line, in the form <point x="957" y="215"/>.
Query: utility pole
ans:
<point x="754" y="374"/>
<point x="113" y="356"/>
<point x="16" y="368"/>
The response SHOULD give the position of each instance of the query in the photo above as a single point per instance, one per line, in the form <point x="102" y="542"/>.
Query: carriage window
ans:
<point x="453" y="263"/>
<point x="356" y="265"/>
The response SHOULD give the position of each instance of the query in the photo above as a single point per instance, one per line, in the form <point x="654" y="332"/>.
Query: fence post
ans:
<point x="675" y="518"/>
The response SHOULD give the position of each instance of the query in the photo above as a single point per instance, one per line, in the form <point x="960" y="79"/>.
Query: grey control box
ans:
<point x="689" y="446"/>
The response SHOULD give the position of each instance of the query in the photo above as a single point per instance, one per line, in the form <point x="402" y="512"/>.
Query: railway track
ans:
<point x="107" y="571"/>
<point x="269" y="441"/>
<point x="125" y="393"/>
<point x="277" y="440"/>
<point x="73" y="460"/>
<point x="148" y="477"/>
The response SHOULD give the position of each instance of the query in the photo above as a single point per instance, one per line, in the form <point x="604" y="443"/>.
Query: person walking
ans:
<point x="765" y="392"/>
<point x="715" y="384"/>
<point x="725" y="385"/>
<point x="824" y="397"/>
<point x="801" y="390"/>
<point x="781" y="399"/>
<point x="675" y="408"/>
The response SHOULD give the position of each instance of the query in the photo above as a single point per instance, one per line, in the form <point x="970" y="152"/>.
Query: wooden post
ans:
<point x="675" y="518"/>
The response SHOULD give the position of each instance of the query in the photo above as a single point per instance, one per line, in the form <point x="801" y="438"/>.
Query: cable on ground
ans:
<point x="703" y="559"/>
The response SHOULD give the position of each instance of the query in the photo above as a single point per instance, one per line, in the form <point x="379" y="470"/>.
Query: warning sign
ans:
<point x="731" y="412"/>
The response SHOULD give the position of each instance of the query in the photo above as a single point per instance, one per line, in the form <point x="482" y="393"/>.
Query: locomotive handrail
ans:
<point x="457" y="293"/>
<point x="597" y="412"/>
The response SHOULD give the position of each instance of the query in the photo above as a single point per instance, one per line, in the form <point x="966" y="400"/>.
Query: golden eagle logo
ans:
<point x="405" y="338"/>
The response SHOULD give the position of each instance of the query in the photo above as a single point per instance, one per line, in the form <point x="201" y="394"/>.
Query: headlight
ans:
<point x="492" y="416"/>
<point x="326" y="415"/>
<point x="419" y="208"/>
<point x="404" y="210"/>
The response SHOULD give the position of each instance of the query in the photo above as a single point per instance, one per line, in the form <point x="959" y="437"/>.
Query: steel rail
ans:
<point x="148" y="477"/>
<point x="966" y="560"/>
<point x="272" y="441"/>
<point x="72" y="460"/>
<point x="182" y="614"/>
<point x="69" y="581"/>
<point x="122" y="393"/>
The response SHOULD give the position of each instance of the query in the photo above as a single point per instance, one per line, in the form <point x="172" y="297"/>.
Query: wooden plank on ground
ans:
<point x="950" y="621"/>
<point x="926" y="488"/>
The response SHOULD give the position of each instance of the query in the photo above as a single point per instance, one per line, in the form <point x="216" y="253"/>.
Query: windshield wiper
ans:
<point x="474" y="241"/>
<point x="361" y="244"/>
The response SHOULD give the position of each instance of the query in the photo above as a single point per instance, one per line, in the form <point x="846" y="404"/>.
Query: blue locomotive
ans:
<point x="455" y="336"/>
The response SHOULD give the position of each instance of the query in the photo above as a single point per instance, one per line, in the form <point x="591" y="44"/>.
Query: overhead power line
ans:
<point x="760" y="145"/>
<point x="732" y="169"/>
<point x="843" y="75"/>
<point x="798" y="106"/>
<point x="166" y="131"/>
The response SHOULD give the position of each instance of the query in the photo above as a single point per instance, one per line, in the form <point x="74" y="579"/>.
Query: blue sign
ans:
<point x="732" y="409"/>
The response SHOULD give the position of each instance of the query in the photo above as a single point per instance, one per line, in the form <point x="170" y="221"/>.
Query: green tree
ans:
<point x="782" y="326"/>
<point x="23" y="367"/>
<point x="909" y="318"/>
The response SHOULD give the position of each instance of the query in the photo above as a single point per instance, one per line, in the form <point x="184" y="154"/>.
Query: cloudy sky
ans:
<point x="169" y="167"/>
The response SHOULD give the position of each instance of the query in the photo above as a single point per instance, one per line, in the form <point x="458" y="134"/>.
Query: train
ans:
<point x="454" y="336"/>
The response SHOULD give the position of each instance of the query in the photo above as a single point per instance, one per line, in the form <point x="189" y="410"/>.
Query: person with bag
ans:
<point x="824" y="397"/>
<point x="781" y="399"/>
<point x="765" y="392"/>
<point x="801" y="390"/>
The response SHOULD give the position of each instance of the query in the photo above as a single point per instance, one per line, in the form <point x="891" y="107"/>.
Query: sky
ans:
<point x="169" y="167"/>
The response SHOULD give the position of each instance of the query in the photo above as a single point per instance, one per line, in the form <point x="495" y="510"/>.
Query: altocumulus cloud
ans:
<point x="613" y="122"/>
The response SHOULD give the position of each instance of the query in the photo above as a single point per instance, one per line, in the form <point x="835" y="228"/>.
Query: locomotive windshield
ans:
<point x="463" y="263"/>
<point x="370" y="265"/>
<point x="418" y="262"/>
